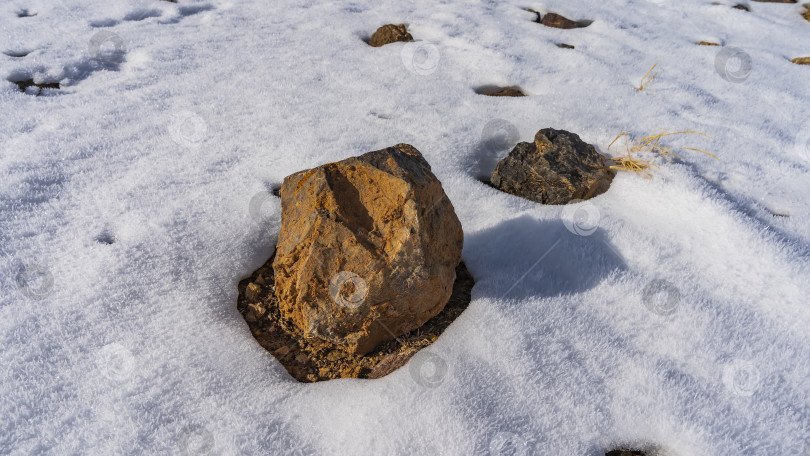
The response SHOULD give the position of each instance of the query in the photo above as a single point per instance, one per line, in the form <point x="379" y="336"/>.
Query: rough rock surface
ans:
<point x="367" y="250"/>
<point x="801" y="60"/>
<point x="313" y="360"/>
<point x="389" y="33"/>
<point x="558" y="21"/>
<point x="557" y="168"/>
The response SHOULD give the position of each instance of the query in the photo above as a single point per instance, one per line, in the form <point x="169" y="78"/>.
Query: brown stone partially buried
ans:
<point x="312" y="359"/>
<point x="558" y="21"/>
<point x="557" y="168"/>
<point x="389" y="33"/>
<point x="367" y="250"/>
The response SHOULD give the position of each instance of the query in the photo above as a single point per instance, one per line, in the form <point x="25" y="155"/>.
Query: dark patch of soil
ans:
<point x="565" y="46"/>
<point x="313" y="360"/>
<point x="25" y="84"/>
<point x="740" y="6"/>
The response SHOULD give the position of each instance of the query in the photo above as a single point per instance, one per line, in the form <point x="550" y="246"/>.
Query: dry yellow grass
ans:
<point x="651" y="144"/>
<point x="645" y="80"/>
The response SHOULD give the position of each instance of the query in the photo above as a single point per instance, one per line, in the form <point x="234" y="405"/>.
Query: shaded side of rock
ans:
<point x="389" y="33"/>
<point x="367" y="250"/>
<point x="557" y="168"/>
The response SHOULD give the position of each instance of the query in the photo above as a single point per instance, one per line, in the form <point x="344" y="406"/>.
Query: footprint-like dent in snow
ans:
<point x="26" y="13"/>
<point x="186" y="11"/>
<point x="106" y="237"/>
<point x="104" y="23"/>
<point x="190" y="10"/>
<point x="17" y="54"/>
<point x="139" y="15"/>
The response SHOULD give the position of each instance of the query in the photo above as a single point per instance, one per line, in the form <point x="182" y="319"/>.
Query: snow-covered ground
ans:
<point x="669" y="313"/>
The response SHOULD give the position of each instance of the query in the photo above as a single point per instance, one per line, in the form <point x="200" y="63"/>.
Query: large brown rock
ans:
<point x="557" y="168"/>
<point x="389" y="33"/>
<point x="367" y="249"/>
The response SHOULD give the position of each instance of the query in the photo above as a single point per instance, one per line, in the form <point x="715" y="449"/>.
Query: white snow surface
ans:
<point x="669" y="314"/>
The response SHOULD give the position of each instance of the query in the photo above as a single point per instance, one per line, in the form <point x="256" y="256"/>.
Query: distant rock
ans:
<point x="625" y="453"/>
<point x="775" y="1"/>
<point x="389" y="33"/>
<point x="708" y="43"/>
<point x="557" y="168"/>
<point x="558" y="21"/>
<point x="367" y="250"/>
<point x="500" y="92"/>
<point x="801" y="60"/>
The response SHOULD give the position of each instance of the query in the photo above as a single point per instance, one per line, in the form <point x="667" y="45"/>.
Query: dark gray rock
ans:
<point x="557" y="168"/>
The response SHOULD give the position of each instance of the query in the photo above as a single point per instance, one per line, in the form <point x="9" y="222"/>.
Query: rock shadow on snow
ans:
<point x="526" y="257"/>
